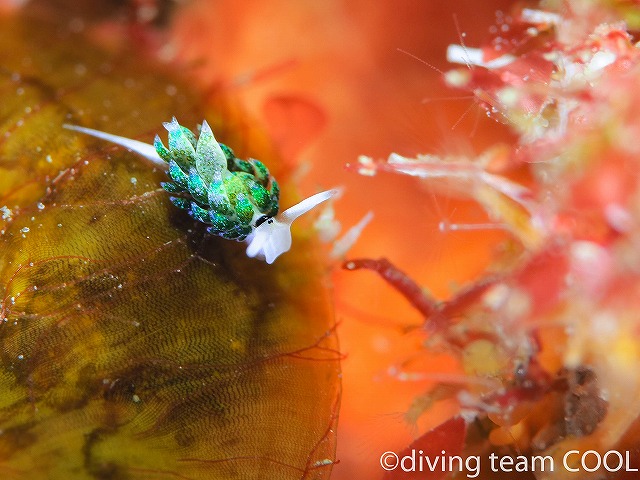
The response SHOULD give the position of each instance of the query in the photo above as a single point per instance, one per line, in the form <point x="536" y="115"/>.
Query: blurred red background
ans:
<point x="329" y="82"/>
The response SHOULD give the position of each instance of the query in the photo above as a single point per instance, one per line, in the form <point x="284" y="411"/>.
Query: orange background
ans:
<point x="328" y="82"/>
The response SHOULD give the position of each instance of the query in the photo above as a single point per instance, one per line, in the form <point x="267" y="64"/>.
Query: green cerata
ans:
<point x="237" y="199"/>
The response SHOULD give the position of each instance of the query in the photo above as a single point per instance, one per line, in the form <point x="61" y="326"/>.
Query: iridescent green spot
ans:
<point x="261" y="196"/>
<point x="221" y="222"/>
<point x="161" y="149"/>
<point x="177" y="175"/>
<point x="261" y="172"/>
<point x="244" y="209"/>
<point x="242" y="166"/>
<point x="180" y="202"/>
<point x="171" y="187"/>
<point x="197" y="188"/>
<point x="199" y="213"/>
<point x="228" y="192"/>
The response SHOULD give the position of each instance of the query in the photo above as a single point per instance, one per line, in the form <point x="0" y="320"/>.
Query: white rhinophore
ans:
<point x="273" y="237"/>
<point x="141" y="148"/>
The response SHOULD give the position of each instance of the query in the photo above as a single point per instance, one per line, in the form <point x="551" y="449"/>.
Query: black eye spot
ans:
<point x="263" y="219"/>
<point x="270" y="221"/>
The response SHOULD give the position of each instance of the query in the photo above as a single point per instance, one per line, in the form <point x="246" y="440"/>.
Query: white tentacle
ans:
<point x="273" y="237"/>
<point x="141" y="148"/>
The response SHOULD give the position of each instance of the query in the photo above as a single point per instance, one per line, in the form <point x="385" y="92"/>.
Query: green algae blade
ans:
<point x="133" y="345"/>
